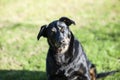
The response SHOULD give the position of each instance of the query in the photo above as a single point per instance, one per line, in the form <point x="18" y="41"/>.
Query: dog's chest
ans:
<point x="61" y="59"/>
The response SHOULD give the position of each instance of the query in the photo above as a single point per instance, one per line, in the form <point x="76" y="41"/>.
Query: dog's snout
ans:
<point x="62" y="41"/>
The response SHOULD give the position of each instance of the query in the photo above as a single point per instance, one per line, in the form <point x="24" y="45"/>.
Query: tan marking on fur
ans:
<point x="81" y="71"/>
<point x="65" y="48"/>
<point x="92" y="74"/>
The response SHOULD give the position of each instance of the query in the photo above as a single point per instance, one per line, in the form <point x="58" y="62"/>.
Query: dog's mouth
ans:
<point x="59" y="48"/>
<point x="60" y="45"/>
<point x="62" y="48"/>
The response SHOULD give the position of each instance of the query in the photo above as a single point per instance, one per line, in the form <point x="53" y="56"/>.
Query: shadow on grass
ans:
<point x="22" y="75"/>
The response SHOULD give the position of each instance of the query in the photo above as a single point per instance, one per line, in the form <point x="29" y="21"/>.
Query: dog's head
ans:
<point x="58" y="34"/>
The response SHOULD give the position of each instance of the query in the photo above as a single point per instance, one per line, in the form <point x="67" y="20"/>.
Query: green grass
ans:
<point x="22" y="57"/>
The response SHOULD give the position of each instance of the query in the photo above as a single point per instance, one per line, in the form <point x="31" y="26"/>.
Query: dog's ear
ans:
<point x="42" y="32"/>
<point x="67" y="21"/>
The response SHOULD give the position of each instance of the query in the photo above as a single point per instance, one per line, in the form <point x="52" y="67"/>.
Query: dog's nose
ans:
<point x="62" y="41"/>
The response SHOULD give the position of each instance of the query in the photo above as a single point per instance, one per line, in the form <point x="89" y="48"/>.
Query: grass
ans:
<point x="22" y="57"/>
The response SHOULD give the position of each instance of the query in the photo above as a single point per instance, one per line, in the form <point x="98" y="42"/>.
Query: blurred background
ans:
<point x="97" y="27"/>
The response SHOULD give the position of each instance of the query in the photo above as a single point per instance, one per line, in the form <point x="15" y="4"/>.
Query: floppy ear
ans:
<point x="67" y="21"/>
<point x="42" y="32"/>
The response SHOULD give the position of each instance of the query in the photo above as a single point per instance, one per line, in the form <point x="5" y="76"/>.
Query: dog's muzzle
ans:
<point x="62" y="46"/>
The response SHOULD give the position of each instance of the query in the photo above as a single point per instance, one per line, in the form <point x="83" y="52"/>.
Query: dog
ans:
<point x="66" y="59"/>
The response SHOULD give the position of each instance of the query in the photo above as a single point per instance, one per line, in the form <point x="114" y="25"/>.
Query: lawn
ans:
<point x="97" y="27"/>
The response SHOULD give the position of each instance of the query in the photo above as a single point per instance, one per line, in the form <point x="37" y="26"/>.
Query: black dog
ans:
<point x="66" y="59"/>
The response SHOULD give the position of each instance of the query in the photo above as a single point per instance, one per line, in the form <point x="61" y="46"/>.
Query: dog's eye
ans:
<point x="61" y="29"/>
<point x="53" y="30"/>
